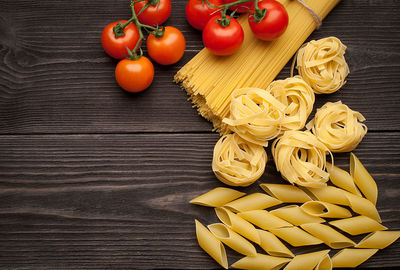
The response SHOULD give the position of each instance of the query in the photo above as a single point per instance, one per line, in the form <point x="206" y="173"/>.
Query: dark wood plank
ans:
<point x="55" y="78"/>
<point x="121" y="201"/>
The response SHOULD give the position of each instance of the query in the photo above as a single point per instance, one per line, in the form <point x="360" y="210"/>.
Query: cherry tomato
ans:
<point x="240" y="8"/>
<point x="198" y="13"/>
<point x="153" y="15"/>
<point x="116" y="47"/>
<point x="275" y="22"/>
<point x="169" y="48"/>
<point x="134" y="75"/>
<point x="222" y="40"/>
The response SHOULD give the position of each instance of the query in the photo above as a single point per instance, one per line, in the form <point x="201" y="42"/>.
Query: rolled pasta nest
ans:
<point x="338" y="127"/>
<point x="322" y="65"/>
<point x="237" y="162"/>
<point x="298" y="97"/>
<point x="255" y="115"/>
<point x="301" y="158"/>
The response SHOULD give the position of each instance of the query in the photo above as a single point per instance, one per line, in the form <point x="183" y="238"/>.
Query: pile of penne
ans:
<point x="299" y="219"/>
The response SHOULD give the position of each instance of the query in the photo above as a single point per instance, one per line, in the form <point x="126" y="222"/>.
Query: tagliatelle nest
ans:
<point x="237" y="162"/>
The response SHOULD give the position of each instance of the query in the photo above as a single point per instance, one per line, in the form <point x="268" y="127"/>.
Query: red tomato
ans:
<point x="134" y="75"/>
<point x="240" y="8"/>
<point x="169" y="48"/>
<point x="198" y="13"/>
<point x="116" y="47"/>
<point x="153" y="15"/>
<point x="222" y="40"/>
<point x="275" y="22"/>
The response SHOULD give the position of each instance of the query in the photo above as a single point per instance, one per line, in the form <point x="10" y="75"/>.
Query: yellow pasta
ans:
<point x="358" y="225"/>
<point x="325" y="263"/>
<point x="255" y="115"/>
<point x="342" y="179"/>
<point x="232" y="239"/>
<point x="349" y="257"/>
<point x="272" y="245"/>
<point x="338" y="127"/>
<point x="296" y="236"/>
<point x="286" y="193"/>
<point x="298" y="97"/>
<point x="363" y="179"/>
<point x="238" y="224"/>
<point x="307" y="261"/>
<point x="260" y="262"/>
<point x="296" y="216"/>
<point x="255" y="201"/>
<point x="363" y="206"/>
<point x="210" y="80"/>
<point x="325" y="209"/>
<point x="211" y="245"/>
<point x="322" y="64"/>
<point x="328" y="235"/>
<point x="379" y="239"/>
<point x="237" y="162"/>
<point x="217" y="197"/>
<point x="329" y="194"/>
<point x="264" y="219"/>
<point x="301" y="158"/>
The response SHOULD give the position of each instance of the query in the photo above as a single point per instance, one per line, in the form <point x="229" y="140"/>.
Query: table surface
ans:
<point x="94" y="178"/>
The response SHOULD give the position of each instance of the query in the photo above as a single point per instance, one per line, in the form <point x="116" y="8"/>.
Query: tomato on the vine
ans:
<point x="274" y="23"/>
<point x="116" y="46"/>
<point x="153" y="15"/>
<point x="134" y="75"/>
<point x="198" y="12"/>
<point x="222" y="40"/>
<point x="240" y="8"/>
<point x="169" y="48"/>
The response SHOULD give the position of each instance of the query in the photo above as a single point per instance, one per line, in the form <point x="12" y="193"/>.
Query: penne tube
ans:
<point x="342" y="179"/>
<point x="217" y="197"/>
<point x="260" y="261"/>
<point x="296" y="216"/>
<point x="210" y="244"/>
<point x="358" y="225"/>
<point x="255" y="201"/>
<point x="272" y="245"/>
<point x="363" y="179"/>
<point x="363" y="206"/>
<point x="286" y="193"/>
<point x="328" y="235"/>
<point x="296" y="236"/>
<point x="379" y="239"/>
<point x="232" y="239"/>
<point x="351" y="257"/>
<point x="325" y="209"/>
<point x="238" y="224"/>
<point x="264" y="219"/>
<point x="329" y="194"/>
<point x="307" y="261"/>
<point x="325" y="263"/>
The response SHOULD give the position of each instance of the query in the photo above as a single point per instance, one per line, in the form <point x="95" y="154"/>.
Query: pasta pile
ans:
<point x="322" y="65"/>
<point x="338" y="127"/>
<point x="245" y="222"/>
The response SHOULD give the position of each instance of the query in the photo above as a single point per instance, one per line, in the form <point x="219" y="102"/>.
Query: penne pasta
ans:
<point x="363" y="206"/>
<point x="272" y="245"/>
<point x="325" y="209"/>
<point x="329" y="194"/>
<point x="260" y="262"/>
<point x="363" y="179"/>
<point x="210" y="244"/>
<point x="342" y="179"/>
<point x="255" y="201"/>
<point x="232" y="239"/>
<point x="379" y="239"/>
<point x="328" y="235"/>
<point x="358" y="225"/>
<point x="351" y="257"/>
<point x="325" y="263"/>
<point x="217" y="197"/>
<point x="238" y="224"/>
<point x="264" y="219"/>
<point x="296" y="236"/>
<point x="307" y="261"/>
<point x="296" y="216"/>
<point x="286" y="193"/>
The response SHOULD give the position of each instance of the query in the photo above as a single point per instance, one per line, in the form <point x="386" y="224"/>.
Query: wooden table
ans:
<point x="94" y="178"/>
